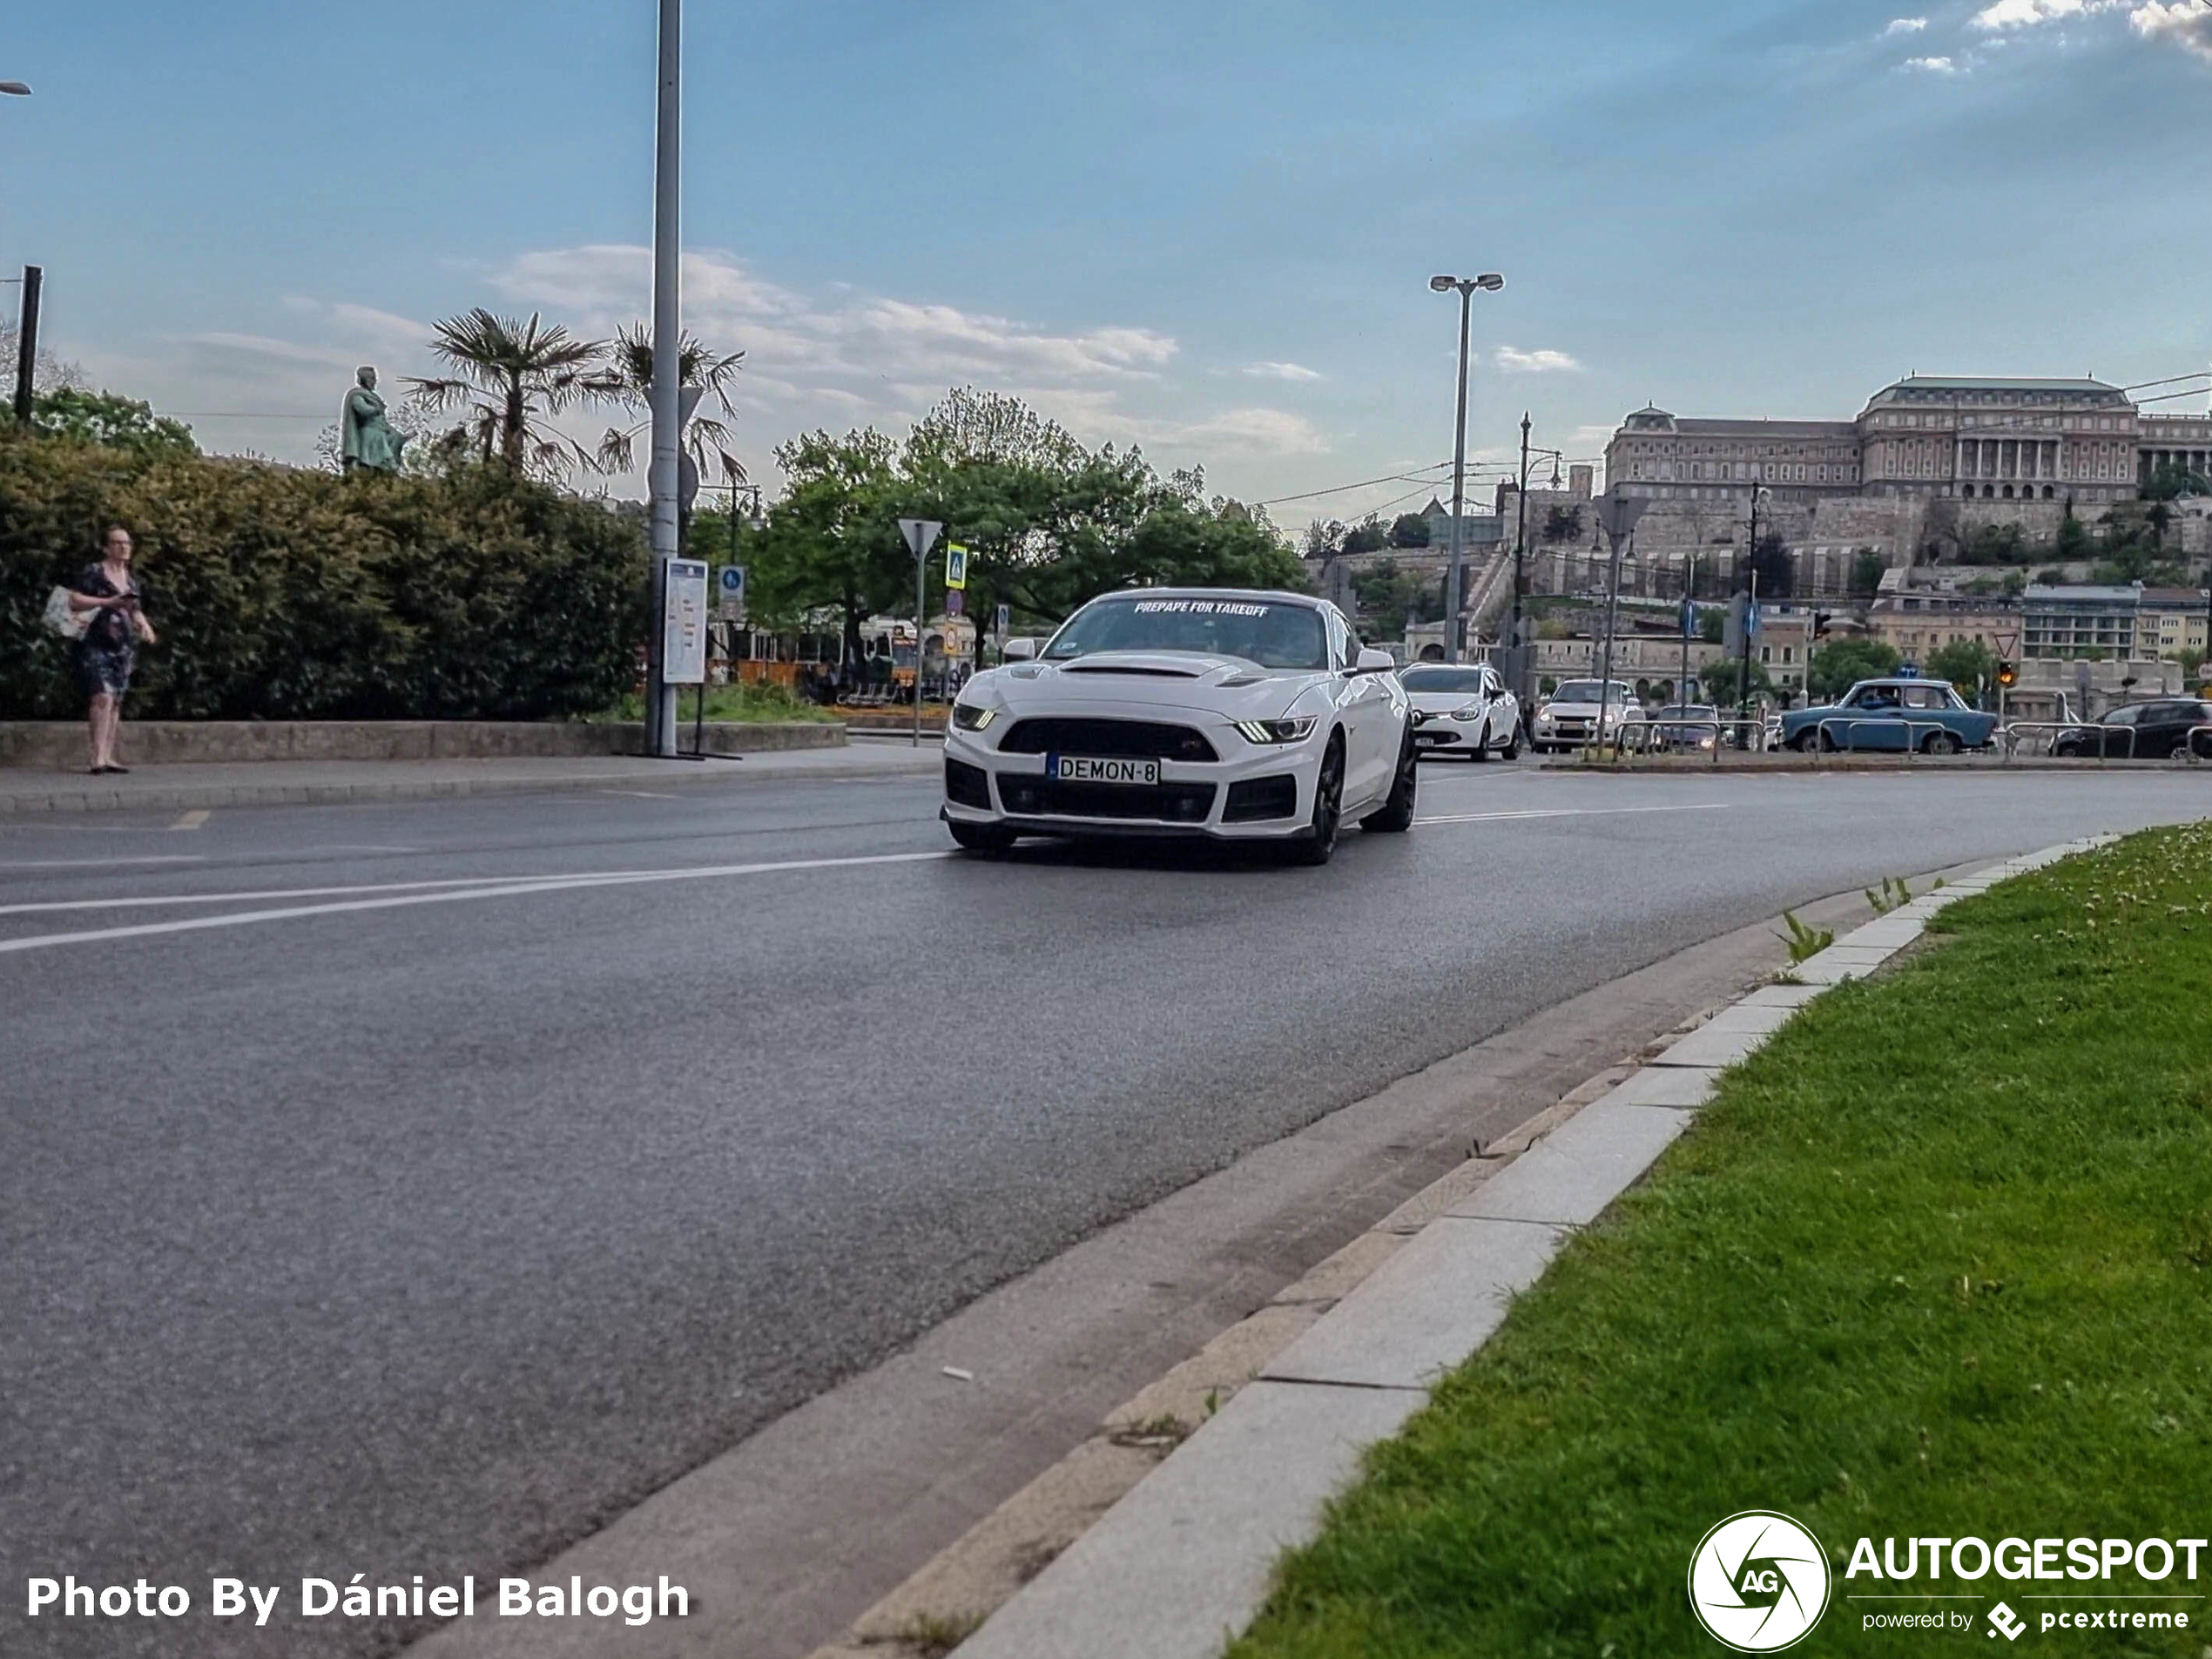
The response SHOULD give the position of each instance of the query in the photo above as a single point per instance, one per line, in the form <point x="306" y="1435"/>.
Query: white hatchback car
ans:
<point x="1462" y="709"/>
<point x="1234" y="715"/>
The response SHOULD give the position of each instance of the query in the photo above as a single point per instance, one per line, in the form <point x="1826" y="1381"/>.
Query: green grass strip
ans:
<point x="1937" y="1261"/>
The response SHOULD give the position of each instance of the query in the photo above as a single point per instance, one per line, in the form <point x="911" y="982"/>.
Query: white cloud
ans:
<point x="1248" y="433"/>
<point x="1282" y="371"/>
<point x="1931" y="66"/>
<point x="2027" y="14"/>
<point x="2186" y="23"/>
<point x="1906" y="26"/>
<point x="1511" y="361"/>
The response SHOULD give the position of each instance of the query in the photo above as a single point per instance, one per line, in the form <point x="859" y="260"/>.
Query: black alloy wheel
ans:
<point x="1396" y="814"/>
<point x="1319" y="841"/>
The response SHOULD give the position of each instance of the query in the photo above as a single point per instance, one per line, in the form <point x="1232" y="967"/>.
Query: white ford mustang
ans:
<point x="1242" y="716"/>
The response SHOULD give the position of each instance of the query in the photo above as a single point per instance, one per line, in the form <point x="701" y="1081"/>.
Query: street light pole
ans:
<point x="1454" y="574"/>
<point x="660" y="696"/>
<point x="34" y="278"/>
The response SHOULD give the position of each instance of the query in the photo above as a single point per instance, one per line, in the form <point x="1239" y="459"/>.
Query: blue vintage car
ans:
<point x="1895" y="714"/>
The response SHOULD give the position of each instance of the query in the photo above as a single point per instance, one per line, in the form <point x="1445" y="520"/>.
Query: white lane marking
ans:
<point x="641" y="794"/>
<point x="553" y="884"/>
<point x="1570" y="812"/>
<point x="191" y="820"/>
<point x="46" y="905"/>
<point x="102" y="863"/>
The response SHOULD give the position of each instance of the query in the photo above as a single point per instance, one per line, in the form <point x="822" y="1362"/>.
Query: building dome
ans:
<point x="1650" y="418"/>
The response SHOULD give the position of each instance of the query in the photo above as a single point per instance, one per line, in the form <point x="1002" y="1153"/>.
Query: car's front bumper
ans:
<point x="1193" y="798"/>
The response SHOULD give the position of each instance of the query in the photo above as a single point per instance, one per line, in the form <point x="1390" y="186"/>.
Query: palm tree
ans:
<point x="628" y="379"/>
<point x="507" y="374"/>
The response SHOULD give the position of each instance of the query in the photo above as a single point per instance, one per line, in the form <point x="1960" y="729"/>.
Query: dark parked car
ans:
<point x="2142" y="731"/>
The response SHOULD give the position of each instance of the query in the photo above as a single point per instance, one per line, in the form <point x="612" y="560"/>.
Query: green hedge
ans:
<point x="285" y="594"/>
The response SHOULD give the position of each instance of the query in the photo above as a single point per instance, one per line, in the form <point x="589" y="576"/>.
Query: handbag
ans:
<point x="64" y="618"/>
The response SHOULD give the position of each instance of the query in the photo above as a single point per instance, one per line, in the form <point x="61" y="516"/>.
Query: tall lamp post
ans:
<point x="664" y="475"/>
<point x="1491" y="281"/>
<point x="1750" y="613"/>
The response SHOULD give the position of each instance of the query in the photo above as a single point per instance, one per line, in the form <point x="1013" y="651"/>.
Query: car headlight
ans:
<point x="1544" y="717"/>
<point x="1471" y="711"/>
<point x="973" y="717"/>
<point x="1277" y="730"/>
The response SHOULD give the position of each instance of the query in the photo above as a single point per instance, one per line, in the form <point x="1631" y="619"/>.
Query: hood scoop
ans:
<point x="1145" y="670"/>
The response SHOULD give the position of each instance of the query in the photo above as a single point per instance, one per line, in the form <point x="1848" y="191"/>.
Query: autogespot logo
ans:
<point x="1759" y="1581"/>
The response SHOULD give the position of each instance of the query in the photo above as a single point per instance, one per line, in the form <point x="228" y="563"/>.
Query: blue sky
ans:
<point x="1206" y="229"/>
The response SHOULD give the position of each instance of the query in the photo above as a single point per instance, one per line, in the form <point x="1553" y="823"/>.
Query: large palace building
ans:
<point x="2082" y="441"/>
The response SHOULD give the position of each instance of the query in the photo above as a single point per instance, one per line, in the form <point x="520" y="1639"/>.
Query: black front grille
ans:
<point x="1049" y="798"/>
<point x="1261" y="797"/>
<point x="966" y="786"/>
<point x="1114" y="739"/>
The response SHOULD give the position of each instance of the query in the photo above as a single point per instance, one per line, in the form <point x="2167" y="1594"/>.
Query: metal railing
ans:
<point x="2009" y="738"/>
<point x="2199" y="753"/>
<point x="1912" y="746"/>
<point x="1656" y="737"/>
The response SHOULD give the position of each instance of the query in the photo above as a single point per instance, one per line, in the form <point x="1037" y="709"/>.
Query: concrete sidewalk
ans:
<point x="1184" y="1562"/>
<point x="298" y="783"/>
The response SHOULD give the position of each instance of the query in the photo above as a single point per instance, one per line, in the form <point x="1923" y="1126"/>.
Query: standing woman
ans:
<point x="108" y="650"/>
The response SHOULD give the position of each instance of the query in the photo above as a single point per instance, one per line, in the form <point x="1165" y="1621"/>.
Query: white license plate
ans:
<point x="1082" y="769"/>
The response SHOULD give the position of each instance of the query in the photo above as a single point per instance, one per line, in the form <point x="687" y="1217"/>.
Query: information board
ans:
<point x="684" y="649"/>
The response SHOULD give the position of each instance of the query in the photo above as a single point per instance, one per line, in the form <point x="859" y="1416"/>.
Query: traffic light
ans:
<point x="2007" y="675"/>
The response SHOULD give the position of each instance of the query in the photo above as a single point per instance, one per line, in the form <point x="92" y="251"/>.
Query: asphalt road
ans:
<point x="420" y="1228"/>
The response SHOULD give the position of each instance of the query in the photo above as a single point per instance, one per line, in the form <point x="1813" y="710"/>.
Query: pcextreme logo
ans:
<point x="1759" y="1581"/>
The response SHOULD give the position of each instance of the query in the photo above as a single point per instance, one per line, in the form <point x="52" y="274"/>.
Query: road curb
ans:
<point x="1185" y="1558"/>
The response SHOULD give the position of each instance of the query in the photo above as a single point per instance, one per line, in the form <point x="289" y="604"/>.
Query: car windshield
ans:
<point x="1687" y="711"/>
<point x="1431" y="679"/>
<point x="1260" y="631"/>
<point x="1586" y="691"/>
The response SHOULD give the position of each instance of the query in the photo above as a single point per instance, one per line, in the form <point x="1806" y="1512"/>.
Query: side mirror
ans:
<point x="1020" y="651"/>
<point x="1373" y="661"/>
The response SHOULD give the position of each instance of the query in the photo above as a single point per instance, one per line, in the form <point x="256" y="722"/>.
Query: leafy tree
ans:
<point x="1967" y="664"/>
<point x="1409" y="530"/>
<point x="104" y="418"/>
<point x="2075" y="542"/>
<point x="1995" y="544"/>
<point x="509" y="376"/>
<point x="1712" y="624"/>
<point x="2050" y="576"/>
<point x="1323" y="537"/>
<point x="1724" y="680"/>
<point x="1866" y="568"/>
<point x="832" y="543"/>
<point x="627" y="379"/>
<point x="2192" y="661"/>
<point x="1386" y="594"/>
<point x="1562" y="524"/>
<point x="1368" y="536"/>
<point x="1840" y="663"/>
<point x="1777" y="571"/>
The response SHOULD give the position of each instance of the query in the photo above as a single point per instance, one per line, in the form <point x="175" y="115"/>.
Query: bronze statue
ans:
<point x="365" y="437"/>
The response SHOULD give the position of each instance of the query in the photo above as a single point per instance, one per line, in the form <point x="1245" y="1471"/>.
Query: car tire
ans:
<point x="1805" y="742"/>
<point x="1942" y="743"/>
<point x="1482" y="750"/>
<point x="986" y="839"/>
<point x="1397" y="814"/>
<point x="1512" y="751"/>
<point x="1318" y="841"/>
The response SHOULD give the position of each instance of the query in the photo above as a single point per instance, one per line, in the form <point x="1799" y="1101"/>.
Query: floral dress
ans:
<point x="109" y="650"/>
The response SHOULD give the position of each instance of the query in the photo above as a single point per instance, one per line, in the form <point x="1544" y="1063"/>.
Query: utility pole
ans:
<point x="664" y="475"/>
<point x="1688" y="615"/>
<point x="34" y="278"/>
<point x="1454" y="576"/>
<point x="1520" y="557"/>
